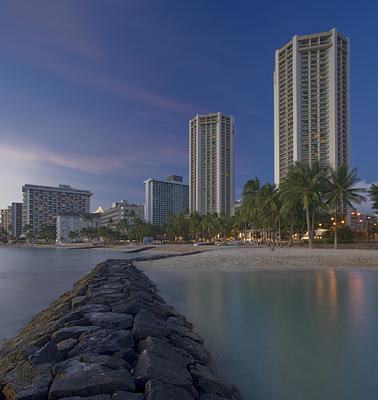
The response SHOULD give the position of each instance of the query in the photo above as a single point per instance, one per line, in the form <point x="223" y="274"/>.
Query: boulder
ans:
<point x="66" y="345"/>
<point x="97" y="397"/>
<point x="207" y="383"/>
<point x="151" y="367"/>
<point x="127" y="396"/>
<point x="195" y="349"/>
<point x="147" y="324"/>
<point x="88" y="377"/>
<point x="165" y="350"/>
<point x="110" y="320"/>
<point x="89" y="308"/>
<point x="156" y="390"/>
<point x="27" y="381"/>
<point x="72" y="332"/>
<point x="49" y="353"/>
<point x="103" y="341"/>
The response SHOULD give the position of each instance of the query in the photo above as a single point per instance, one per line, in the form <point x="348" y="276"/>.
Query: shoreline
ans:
<point x="262" y="258"/>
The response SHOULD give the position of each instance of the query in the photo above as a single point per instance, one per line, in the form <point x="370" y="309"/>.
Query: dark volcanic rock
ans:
<point x="147" y="324"/>
<point x="49" y="353"/>
<point x="111" y="324"/>
<point x="127" y="396"/>
<point x="151" y="367"/>
<point x="103" y="341"/>
<point x="72" y="332"/>
<point x="195" y="349"/>
<point x="110" y="320"/>
<point x="207" y="383"/>
<point x="77" y="377"/>
<point x="156" y="390"/>
<point x="165" y="350"/>
<point x="66" y="345"/>
<point x="27" y="382"/>
<point x="98" y="397"/>
<point x="89" y="308"/>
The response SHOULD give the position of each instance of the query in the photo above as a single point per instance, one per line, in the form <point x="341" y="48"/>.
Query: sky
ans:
<point x="97" y="94"/>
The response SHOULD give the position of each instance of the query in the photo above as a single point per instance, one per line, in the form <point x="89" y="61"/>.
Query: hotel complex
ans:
<point x="42" y="204"/>
<point x="311" y="101"/>
<point x="211" y="164"/>
<point x="164" y="199"/>
<point x="121" y="210"/>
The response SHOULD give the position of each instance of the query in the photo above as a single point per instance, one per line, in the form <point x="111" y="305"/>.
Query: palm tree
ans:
<point x="373" y="193"/>
<point x="340" y="191"/>
<point x="268" y="205"/>
<point x="123" y="226"/>
<point x="303" y="184"/>
<point x="195" y="225"/>
<point x="249" y="207"/>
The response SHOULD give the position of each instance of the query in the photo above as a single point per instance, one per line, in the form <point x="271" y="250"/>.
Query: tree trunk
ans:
<point x="309" y="227"/>
<point x="335" y="237"/>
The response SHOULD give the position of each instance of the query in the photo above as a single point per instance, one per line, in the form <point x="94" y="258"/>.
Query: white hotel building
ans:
<point x="163" y="199"/>
<point x="211" y="164"/>
<point x="42" y="204"/>
<point x="311" y="101"/>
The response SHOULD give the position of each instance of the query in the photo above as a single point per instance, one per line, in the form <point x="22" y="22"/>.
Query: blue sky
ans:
<point x="98" y="94"/>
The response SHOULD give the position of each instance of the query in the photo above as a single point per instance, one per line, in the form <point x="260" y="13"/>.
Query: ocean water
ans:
<point x="277" y="335"/>
<point x="283" y="335"/>
<point x="31" y="278"/>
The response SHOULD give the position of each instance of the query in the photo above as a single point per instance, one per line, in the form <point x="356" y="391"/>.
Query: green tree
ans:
<point x="47" y="233"/>
<point x="373" y="193"/>
<point x="303" y="184"/>
<point x="341" y="191"/>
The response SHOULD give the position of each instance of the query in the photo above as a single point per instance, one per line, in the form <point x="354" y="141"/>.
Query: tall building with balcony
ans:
<point x="311" y="102"/>
<point x="42" y="204"/>
<point x="211" y="164"/>
<point x="163" y="199"/>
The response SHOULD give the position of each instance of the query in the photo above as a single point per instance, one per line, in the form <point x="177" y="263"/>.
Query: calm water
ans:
<point x="285" y="335"/>
<point x="30" y="279"/>
<point x="277" y="335"/>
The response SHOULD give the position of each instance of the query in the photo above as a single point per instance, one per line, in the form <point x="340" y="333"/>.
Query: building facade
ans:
<point x="211" y="163"/>
<point x="71" y="222"/>
<point x="311" y="102"/>
<point x="42" y="204"/>
<point x="15" y="210"/>
<point x="164" y="199"/>
<point x="121" y="210"/>
<point x="5" y="219"/>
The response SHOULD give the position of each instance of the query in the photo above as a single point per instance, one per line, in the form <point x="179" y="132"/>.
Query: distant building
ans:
<point x="121" y="210"/>
<point x="365" y="226"/>
<point x="15" y="210"/>
<point x="164" y="199"/>
<point x="5" y="219"/>
<point x="70" y="222"/>
<point x="311" y="102"/>
<point x="211" y="163"/>
<point x="42" y="204"/>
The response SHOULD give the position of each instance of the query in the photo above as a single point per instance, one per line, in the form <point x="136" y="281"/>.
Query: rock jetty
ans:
<point x="112" y="337"/>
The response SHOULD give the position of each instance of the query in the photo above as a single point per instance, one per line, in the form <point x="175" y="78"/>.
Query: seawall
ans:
<point x="111" y="337"/>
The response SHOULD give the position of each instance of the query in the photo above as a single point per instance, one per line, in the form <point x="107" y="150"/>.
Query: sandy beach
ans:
<point x="240" y="258"/>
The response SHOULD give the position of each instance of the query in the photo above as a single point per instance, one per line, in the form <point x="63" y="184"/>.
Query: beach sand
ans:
<point x="248" y="257"/>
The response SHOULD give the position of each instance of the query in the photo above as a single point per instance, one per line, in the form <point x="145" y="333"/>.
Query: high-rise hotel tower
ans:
<point x="211" y="164"/>
<point x="311" y="101"/>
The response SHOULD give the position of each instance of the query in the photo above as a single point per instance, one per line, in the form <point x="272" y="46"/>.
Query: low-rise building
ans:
<point x="121" y="210"/>
<point x="71" y="222"/>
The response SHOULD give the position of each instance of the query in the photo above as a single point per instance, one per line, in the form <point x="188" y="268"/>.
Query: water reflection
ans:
<point x="285" y="335"/>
